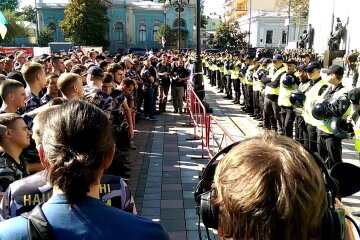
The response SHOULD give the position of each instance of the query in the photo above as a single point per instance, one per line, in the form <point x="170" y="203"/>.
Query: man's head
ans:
<point x="108" y="83"/>
<point x="80" y="70"/>
<point x="278" y="60"/>
<point x="13" y="92"/>
<point x="68" y="65"/>
<point x="117" y="72"/>
<point x="269" y="187"/>
<point x="313" y="70"/>
<point x="9" y="65"/>
<point x="34" y="74"/>
<point x="335" y="74"/>
<point x="70" y="84"/>
<point x="57" y="63"/>
<point x="51" y="84"/>
<point x="127" y="86"/>
<point x="128" y="62"/>
<point x="291" y="66"/>
<point x="95" y="73"/>
<point x="17" y="134"/>
<point x="20" y="57"/>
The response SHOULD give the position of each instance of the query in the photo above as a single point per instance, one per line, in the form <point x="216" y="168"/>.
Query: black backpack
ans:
<point x="38" y="226"/>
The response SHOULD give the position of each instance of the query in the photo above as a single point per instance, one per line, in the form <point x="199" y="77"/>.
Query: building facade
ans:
<point x="235" y="9"/>
<point x="132" y="23"/>
<point x="213" y="21"/>
<point x="322" y="21"/>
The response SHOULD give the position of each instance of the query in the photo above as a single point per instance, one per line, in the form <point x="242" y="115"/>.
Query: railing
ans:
<point x="217" y="136"/>
<point x="213" y="135"/>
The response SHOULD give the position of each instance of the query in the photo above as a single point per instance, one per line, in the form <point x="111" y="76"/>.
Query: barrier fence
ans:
<point x="207" y="128"/>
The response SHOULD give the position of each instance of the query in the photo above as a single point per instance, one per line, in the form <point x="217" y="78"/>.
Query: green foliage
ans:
<point x="9" y="5"/>
<point x="228" y="35"/>
<point x="165" y="31"/>
<point x="203" y="20"/>
<point x="86" y="23"/>
<point x="14" y="27"/>
<point x="46" y="35"/>
<point x="299" y="9"/>
<point x="28" y="14"/>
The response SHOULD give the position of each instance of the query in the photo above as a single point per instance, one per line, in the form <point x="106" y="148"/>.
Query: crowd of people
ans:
<point x="289" y="94"/>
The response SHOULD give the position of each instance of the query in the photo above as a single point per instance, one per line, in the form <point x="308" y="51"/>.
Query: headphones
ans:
<point x="333" y="222"/>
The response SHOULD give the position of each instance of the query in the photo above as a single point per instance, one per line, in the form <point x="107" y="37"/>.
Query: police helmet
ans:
<point x="297" y="98"/>
<point x="289" y="81"/>
<point x="354" y="95"/>
<point x="321" y="112"/>
<point x="337" y="126"/>
<point x="261" y="74"/>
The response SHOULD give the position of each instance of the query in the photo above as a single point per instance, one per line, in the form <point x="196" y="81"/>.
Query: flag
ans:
<point x="163" y="41"/>
<point x="3" y="22"/>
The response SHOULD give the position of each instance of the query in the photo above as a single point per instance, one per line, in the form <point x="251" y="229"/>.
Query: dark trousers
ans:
<point x="219" y="81"/>
<point x="236" y="83"/>
<point x="164" y="92"/>
<point x="261" y="103"/>
<point x="287" y="118"/>
<point x="256" y="99"/>
<point x="310" y="138"/>
<point x="149" y="103"/>
<point x="224" y="82"/>
<point x="243" y="89"/>
<point x="249" y="103"/>
<point x="140" y="97"/>
<point x="229" y="86"/>
<point x="300" y="129"/>
<point x="329" y="148"/>
<point x="271" y="110"/>
<point x="213" y="77"/>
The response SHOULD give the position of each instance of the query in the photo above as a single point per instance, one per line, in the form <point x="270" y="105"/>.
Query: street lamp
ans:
<point x="179" y="7"/>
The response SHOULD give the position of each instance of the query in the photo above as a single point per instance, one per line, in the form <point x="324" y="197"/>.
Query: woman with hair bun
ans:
<point x="78" y="145"/>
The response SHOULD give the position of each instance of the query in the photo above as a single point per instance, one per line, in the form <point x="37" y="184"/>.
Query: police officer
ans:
<point x="235" y="77"/>
<point x="316" y="88"/>
<point x="300" y="125"/>
<point x="227" y="77"/>
<point x="288" y="83"/>
<point x="246" y="69"/>
<point x="272" y="82"/>
<point x="338" y="103"/>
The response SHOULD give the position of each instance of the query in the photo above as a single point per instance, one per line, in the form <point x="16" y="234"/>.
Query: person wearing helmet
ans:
<point x="336" y="106"/>
<point x="288" y="83"/>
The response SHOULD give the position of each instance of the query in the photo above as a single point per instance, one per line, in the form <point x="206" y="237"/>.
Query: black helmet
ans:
<point x="297" y="98"/>
<point x="261" y="74"/>
<point x="289" y="81"/>
<point x="321" y="112"/>
<point x="336" y="126"/>
<point x="354" y="95"/>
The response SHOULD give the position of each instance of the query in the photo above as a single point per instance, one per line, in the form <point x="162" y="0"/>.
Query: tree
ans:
<point x="14" y="27"/>
<point x="28" y="14"/>
<point x="203" y="19"/>
<point x="299" y="8"/>
<point x="9" y="4"/>
<point x="165" y="31"/>
<point x="86" y="23"/>
<point x="228" y="35"/>
<point x="46" y="35"/>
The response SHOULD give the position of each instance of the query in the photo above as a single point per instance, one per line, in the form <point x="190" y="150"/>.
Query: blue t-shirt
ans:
<point x="90" y="219"/>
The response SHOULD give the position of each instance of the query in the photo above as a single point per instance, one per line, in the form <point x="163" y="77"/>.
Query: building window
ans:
<point x="52" y="27"/>
<point x="284" y="36"/>
<point x="204" y="41"/>
<point x="142" y="33"/>
<point x="155" y="29"/>
<point x="182" y="23"/>
<point x="269" y="36"/>
<point x="119" y="31"/>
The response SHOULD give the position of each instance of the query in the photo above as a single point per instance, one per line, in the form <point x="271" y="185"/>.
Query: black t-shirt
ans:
<point x="178" y="73"/>
<point x="164" y="68"/>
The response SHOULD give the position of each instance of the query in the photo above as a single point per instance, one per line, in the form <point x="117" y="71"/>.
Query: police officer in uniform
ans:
<point x="235" y="77"/>
<point x="316" y="88"/>
<point x="272" y="82"/>
<point x="288" y="83"/>
<point x="300" y="125"/>
<point x="335" y="100"/>
<point x="246" y="69"/>
<point x="227" y="77"/>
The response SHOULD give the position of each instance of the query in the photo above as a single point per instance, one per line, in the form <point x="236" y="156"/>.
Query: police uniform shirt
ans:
<point x="98" y="98"/>
<point x="23" y="195"/>
<point x="10" y="170"/>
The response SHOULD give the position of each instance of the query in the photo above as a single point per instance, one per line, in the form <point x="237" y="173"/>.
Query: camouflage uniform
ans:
<point x="23" y="195"/>
<point x="98" y="98"/>
<point x="45" y="99"/>
<point x="32" y="102"/>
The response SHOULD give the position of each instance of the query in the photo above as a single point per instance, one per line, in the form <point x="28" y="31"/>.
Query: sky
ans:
<point x="214" y="6"/>
<point x="211" y="6"/>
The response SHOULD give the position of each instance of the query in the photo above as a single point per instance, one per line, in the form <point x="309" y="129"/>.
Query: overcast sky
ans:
<point x="214" y="6"/>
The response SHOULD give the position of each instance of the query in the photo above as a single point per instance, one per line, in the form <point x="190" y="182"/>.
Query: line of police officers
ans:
<point x="289" y="97"/>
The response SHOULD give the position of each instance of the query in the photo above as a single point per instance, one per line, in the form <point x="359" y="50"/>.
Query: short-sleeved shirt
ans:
<point x="23" y="195"/>
<point x="164" y="68"/>
<point x="145" y="76"/>
<point x="131" y="74"/>
<point x="98" y="98"/>
<point x="89" y="219"/>
<point x="117" y="113"/>
<point x="10" y="170"/>
<point x="180" y="73"/>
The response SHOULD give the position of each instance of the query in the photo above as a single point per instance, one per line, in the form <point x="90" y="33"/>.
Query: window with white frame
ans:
<point x="142" y="33"/>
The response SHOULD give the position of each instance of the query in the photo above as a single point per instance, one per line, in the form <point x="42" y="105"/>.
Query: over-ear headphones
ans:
<point x="333" y="221"/>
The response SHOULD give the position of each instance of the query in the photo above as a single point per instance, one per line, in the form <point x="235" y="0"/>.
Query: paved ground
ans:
<point x="165" y="173"/>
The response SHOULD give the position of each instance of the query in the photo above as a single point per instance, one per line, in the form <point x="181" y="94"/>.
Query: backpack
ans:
<point x="37" y="225"/>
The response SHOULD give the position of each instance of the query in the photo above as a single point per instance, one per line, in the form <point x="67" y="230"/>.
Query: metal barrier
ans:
<point x="198" y="119"/>
<point x="217" y="137"/>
